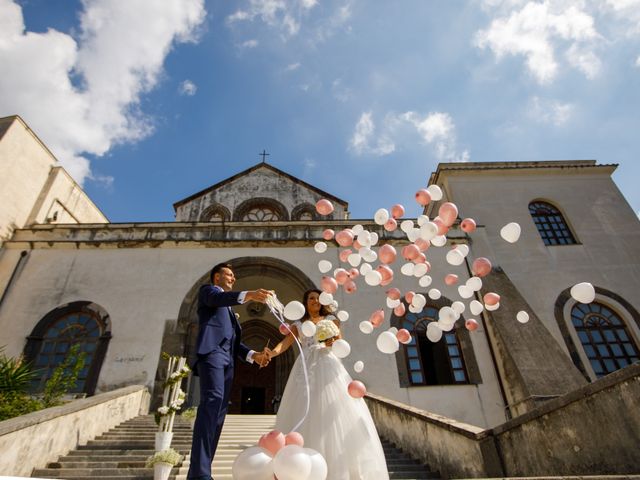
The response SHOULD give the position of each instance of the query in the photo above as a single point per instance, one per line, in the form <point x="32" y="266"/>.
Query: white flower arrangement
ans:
<point x="325" y="330"/>
<point x="169" y="456"/>
<point x="173" y="397"/>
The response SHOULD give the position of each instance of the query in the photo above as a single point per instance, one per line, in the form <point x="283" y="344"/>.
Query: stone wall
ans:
<point x="594" y="430"/>
<point x="33" y="440"/>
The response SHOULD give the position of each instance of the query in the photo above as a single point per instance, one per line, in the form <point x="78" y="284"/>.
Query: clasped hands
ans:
<point x="263" y="358"/>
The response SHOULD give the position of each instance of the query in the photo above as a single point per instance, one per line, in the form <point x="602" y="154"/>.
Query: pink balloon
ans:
<point x="468" y="225"/>
<point x="491" y="299"/>
<point x="328" y="234"/>
<point x="344" y="254"/>
<point x="283" y="329"/>
<point x="420" y="258"/>
<point x="448" y="212"/>
<point x="356" y="244"/>
<point x="400" y="310"/>
<point x="354" y="273"/>
<point x="377" y="318"/>
<point x="481" y="267"/>
<point x="350" y="287"/>
<point x="341" y="275"/>
<point x="397" y="211"/>
<point x="272" y="441"/>
<point x="422" y="244"/>
<point x="357" y="389"/>
<point x="344" y="238"/>
<point x="329" y="285"/>
<point x="403" y="335"/>
<point x="411" y="251"/>
<point x="451" y="279"/>
<point x="324" y="207"/>
<point x="409" y="296"/>
<point x="387" y="253"/>
<point x="391" y="225"/>
<point x="442" y="227"/>
<point x="294" y="438"/>
<point x="471" y="325"/>
<point x="423" y="197"/>
<point x="394" y="294"/>
<point x="387" y="274"/>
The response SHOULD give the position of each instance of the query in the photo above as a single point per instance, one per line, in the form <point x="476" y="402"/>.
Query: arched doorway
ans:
<point x="254" y="389"/>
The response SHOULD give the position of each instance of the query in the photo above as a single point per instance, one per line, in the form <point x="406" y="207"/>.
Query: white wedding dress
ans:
<point x="338" y="426"/>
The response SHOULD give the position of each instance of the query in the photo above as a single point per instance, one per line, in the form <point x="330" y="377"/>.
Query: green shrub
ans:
<point x="64" y="377"/>
<point x="15" y="375"/>
<point x="14" y="404"/>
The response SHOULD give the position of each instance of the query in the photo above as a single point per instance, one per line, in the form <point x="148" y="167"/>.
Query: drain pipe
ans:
<point x="23" y="255"/>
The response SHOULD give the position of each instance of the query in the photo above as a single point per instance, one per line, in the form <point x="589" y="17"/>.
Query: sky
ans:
<point x="146" y="102"/>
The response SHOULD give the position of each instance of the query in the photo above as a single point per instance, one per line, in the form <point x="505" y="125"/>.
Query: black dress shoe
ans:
<point x="201" y="477"/>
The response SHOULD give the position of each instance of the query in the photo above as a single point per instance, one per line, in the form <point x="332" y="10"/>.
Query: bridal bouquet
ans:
<point x="326" y="330"/>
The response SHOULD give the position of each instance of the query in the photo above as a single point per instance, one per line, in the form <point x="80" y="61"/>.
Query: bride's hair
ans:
<point x="324" y="309"/>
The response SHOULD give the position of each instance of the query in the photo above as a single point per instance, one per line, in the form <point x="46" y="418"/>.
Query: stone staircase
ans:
<point x="121" y="453"/>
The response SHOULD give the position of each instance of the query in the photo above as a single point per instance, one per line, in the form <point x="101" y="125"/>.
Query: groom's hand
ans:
<point x="262" y="358"/>
<point x="259" y="295"/>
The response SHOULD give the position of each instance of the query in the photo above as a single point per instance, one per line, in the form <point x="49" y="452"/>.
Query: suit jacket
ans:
<point x="219" y="331"/>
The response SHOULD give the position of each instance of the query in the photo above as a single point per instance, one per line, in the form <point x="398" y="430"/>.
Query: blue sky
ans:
<point x="147" y="102"/>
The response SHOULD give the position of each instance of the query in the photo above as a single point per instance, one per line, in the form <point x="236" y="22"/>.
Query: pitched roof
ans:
<point x="253" y="169"/>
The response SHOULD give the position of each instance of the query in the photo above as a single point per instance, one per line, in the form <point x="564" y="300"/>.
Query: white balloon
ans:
<point x="454" y="257"/>
<point x="435" y="192"/>
<point x="291" y="463"/>
<point x="420" y="269"/>
<point x="448" y="314"/>
<point x="439" y="241"/>
<point x="253" y="463"/>
<point x="418" y="300"/>
<point x="333" y="305"/>
<point x="492" y="308"/>
<point x="373" y="278"/>
<point x="428" y="231"/>
<point x="464" y="291"/>
<point x="354" y="259"/>
<point x="476" y="307"/>
<point x="446" y="326"/>
<point x="343" y="315"/>
<point x="365" y="268"/>
<point x="413" y="234"/>
<point x="341" y="348"/>
<point x="463" y="248"/>
<point x="414" y="309"/>
<point x="522" y="316"/>
<point x="319" y="468"/>
<point x="434" y="332"/>
<point x="434" y="294"/>
<point x="358" y="366"/>
<point x="425" y="281"/>
<point x="324" y="266"/>
<point x="366" y="327"/>
<point x="308" y="328"/>
<point x="294" y="311"/>
<point x="474" y="283"/>
<point x="364" y="238"/>
<point x="368" y="255"/>
<point x="583" y="292"/>
<point x="387" y="343"/>
<point x="381" y="216"/>
<point x="510" y="232"/>
<point x="458" y="306"/>
<point x="406" y="226"/>
<point x="325" y="298"/>
<point x="407" y="269"/>
<point x="393" y="330"/>
<point x="391" y="303"/>
<point x="357" y="229"/>
<point x="422" y="219"/>
<point x="320" y="247"/>
<point x="374" y="239"/>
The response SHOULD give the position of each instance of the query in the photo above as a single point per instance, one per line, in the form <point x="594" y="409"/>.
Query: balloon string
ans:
<point x="278" y="314"/>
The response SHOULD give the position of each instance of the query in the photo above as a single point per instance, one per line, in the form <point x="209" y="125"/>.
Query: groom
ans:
<point x="218" y="345"/>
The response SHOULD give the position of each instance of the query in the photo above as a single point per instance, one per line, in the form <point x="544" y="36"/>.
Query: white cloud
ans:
<point x="537" y="29"/>
<point x="188" y="88"/>
<point x="292" y="67"/>
<point x="340" y="92"/>
<point x="117" y="57"/>
<point x="435" y="129"/>
<point x="281" y="14"/>
<point x="549" y="111"/>
<point x="638" y="61"/>
<point x="249" y="44"/>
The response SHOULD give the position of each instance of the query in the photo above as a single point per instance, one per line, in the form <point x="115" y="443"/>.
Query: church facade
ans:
<point x="127" y="292"/>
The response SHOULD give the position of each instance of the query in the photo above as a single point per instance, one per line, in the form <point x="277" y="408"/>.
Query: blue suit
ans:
<point x="217" y="345"/>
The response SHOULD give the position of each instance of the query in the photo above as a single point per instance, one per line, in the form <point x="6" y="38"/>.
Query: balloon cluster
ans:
<point x="281" y="455"/>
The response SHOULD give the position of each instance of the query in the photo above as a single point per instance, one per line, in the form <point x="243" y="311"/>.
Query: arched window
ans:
<point x="215" y="213"/>
<point x="260" y="210"/>
<point x="551" y="224"/>
<point x="304" y="212"/>
<point x="82" y="323"/>
<point x="428" y="363"/>
<point x="605" y="338"/>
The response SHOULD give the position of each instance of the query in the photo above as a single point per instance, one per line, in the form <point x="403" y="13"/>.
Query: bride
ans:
<point x="338" y="426"/>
